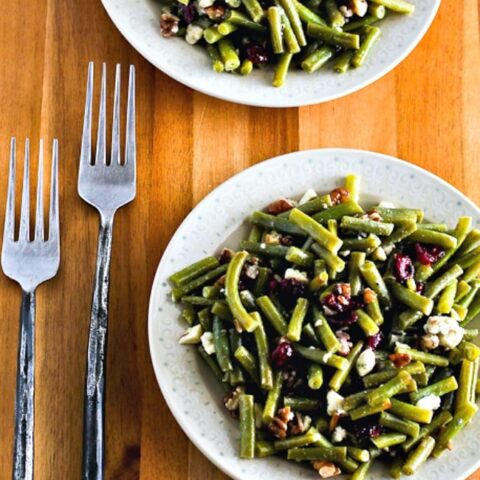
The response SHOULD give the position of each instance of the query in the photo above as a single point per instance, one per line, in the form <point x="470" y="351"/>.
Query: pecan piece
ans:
<point x="169" y="24"/>
<point x="300" y="424"/>
<point x="279" y="206"/>
<point x="231" y="400"/>
<point x="339" y="195"/>
<point x="226" y="255"/>
<point x="400" y="359"/>
<point x="215" y="12"/>
<point x="279" y="425"/>
<point x="369" y="296"/>
<point x="326" y="469"/>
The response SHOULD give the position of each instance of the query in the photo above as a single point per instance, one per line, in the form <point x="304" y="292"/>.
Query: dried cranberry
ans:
<point x="282" y="354"/>
<point x="256" y="54"/>
<point x="365" y="432"/>
<point x="187" y="12"/>
<point x="288" y="290"/>
<point x="340" y="301"/>
<point x="344" y="319"/>
<point x="403" y="267"/>
<point x="375" y="340"/>
<point x="420" y="287"/>
<point x="428" y="254"/>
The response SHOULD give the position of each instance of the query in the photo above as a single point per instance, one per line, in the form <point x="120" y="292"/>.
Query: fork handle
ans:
<point x="25" y="395"/>
<point x="94" y="415"/>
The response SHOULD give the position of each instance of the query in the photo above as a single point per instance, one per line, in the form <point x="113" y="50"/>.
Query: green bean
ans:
<point x="462" y="289"/>
<point x="357" y="259"/>
<point x="377" y="11"/>
<point x="411" y="299"/>
<point x="447" y="298"/>
<point x="343" y="61"/>
<point x="470" y="333"/>
<point x="179" y="292"/>
<point x="411" y="412"/>
<point x="355" y="400"/>
<point x="471" y="273"/>
<point x="281" y="69"/>
<point x="261" y="341"/>
<point x="254" y="9"/>
<point x="473" y="310"/>
<point x="399" y="424"/>
<point x="433" y="288"/>
<point x="471" y="242"/>
<point x="399" y="216"/>
<point x="333" y="261"/>
<point x="247" y="361"/>
<point x="242" y="20"/>
<point x="387" y="440"/>
<point x="375" y="281"/>
<point x="313" y="206"/>
<point x="333" y="36"/>
<point x="383" y="376"/>
<point x="247" y="426"/>
<point x="335" y="17"/>
<point x="276" y="251"/>
<point x="333" y="454"/>
<point x="322" y="357"/>
<point x="469" y="259"/>
<point x="294" y="330"/>
<point x="279" y="224"/>
<point x="474" y="380"/>
<point x="217" y="62"/>
<point x="222" y="348"/>
<point x="232" y="294"/>
<point x="264" y="449"/>
<point x="371" y="37"/>
<point x="366" y="225"/>
<point x="336" y="212"/>
<point x="360" y="24"/>
<point x="294" y="18"/>
<point x="272" y="314"/>
<point x="315" y="377"/>
<point x="221" y="309"/>
<point x="438" y="227"/>
<point x="464" y="393"/>
<point x="373" y="309"/>
<point x="468" y="299"/>
<point x="307" y="15"/>
<point x="317" y="59"/>
<point x="438" y="421"/>
<point x="361" y="473"/>
<point x="318" y="281"/>
<point x="460" y="419"/>
<point x="440" y="388"/>
<point x="389" y="389"/>
<point x="309" y="336"/>
<point x="400" y="233"/>
<point x="196" y="300"/>
<point x="346" y="464"/>
<point x="228" y="54"/>
<point x="418" y="456"/>
<point x="424" y="357"/>
<point x="307" y="438"/>
<point x="188" y="314"/>
<point x="395" y="469"/>
<point x="367" y="410"/>
<point x="324" y="332"/>
<point x="187" y="274"/>
<point x="255" y="234"/>
<point x="275" y="21"/>
<point x="211" y="292"/>
<point x="340" y="376"/>
<point x="433" y="238"/>
<point x="301" y="404"/>
<point x="399" y="6"/>
<point x="359" y="454"/>
<point x="366" y="323"/>
<point x="225" y="28"/>
<point x="299" y="257"/>
<point x="273" y="399"/>
<point x="261" y="281"/>
<point x="366" y="244"/>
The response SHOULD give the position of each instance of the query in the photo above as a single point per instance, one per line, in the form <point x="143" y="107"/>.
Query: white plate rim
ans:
<point x="137" y="45"/>
<point x="177" y="414"/>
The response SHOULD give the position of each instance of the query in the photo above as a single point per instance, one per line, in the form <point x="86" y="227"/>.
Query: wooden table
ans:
<point x="426" y="111"/>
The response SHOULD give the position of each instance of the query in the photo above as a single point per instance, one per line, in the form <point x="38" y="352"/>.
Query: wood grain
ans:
<point x="426" y="111"/>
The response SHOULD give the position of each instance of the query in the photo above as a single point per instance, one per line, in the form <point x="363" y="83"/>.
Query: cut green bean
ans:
<point x="279" y="224"/>
<point x="272" y="314"/>
<point x="371" y="37"/>
<point x="307" y="15"/>
<point x="399" y="6"/>
<point x="366" y="323"/>
<point x="411" y="299"/>
<point x="293" y="16"/>
<point x="266" y="375"/>
<point x="411" y="412"/>
<point x="375" y="281"/>
<point x="389" y="389"/>
<point x="408" y="427"/>
<point x="222" y="347"/>
<point x="254" y="9"/>
<point x="359" y="454"/>
<point x="343" y="62"/>
<point x="447" y="298"/>
<point x="367" y="410"/>
<point x="440" y="388"/>
<point x="333" y="454"/>
<point x="229" y="55"/>
<point x="301" y="404"/>
<point x="418" y="456"/>
<point x="281" y="69"/>
<point x="315" y="377"/>
<point x="247" y="426"/>
<point x="277" y="251"/>
<point x="341" y="375"/>
<point x="333" y="261"/>
<point x="187" y="274"/>
<point x="299" y="257"/>
<point x="387" y="440"/>
<point x="333" y="36"/>
<point x="317" y="59"/>
<point x="297" y="441"/>
<point x="294" y="330"/>
<point x="357" y="259"/>
<point x="322" y="357"/>
<point x="273" y="399"/>
<point x="365" y="225"/>
<point x="325" y="332"/>
<point x="247" y="361"/>
<point x="275" y="21"/>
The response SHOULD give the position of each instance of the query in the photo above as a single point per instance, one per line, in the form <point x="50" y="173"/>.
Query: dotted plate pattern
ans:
<point x="138" y="21"/>
<point x="188" y="387"/>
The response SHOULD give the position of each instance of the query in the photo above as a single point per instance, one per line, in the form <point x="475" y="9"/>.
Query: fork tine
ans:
<point x="115" y="155"/>
<point x="86" y="149"/>
<point x="130" y="145"/>
<point x="53" y="225"/>
<point x="9" y="228"/>
<point x="24" y="232"/>
<point x="39" y="227"/>
<point x="100" y="155"/>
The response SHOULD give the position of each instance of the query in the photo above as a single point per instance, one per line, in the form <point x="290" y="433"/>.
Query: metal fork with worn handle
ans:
<point x="30" y="263"/>
<point x="107" y="186"/>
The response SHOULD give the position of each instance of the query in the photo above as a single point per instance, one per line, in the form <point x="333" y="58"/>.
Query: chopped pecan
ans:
<point x="281" y="205"/>
<point x="220" y="282"/>
<point x="299" y="424"/>
<point x="334" y="419"/>
<point x="226" y="255"/>
<point x="339" y="195"/>
<point x="400" y="359"/>
<point x="326" y="469"/>
<point x="369" y="296"/>
<point x="279" y="425"/>
<point x="273" y="238"/>
<point x="215" y="12"/>
<point x="231" y="400"/>
<point x="169" y="24"/>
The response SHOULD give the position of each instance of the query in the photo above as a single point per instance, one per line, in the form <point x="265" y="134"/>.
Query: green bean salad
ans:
<point x="340" y="333"/>
<point x="240" y="35"/>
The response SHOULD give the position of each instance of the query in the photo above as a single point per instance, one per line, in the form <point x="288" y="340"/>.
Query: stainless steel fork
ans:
<point x="30" y="263"/>
<point x="107" y="187"/>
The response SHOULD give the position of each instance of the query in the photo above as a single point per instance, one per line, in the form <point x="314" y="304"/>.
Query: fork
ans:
<point x="29" y="263"/>
<point x="107" y="187"/>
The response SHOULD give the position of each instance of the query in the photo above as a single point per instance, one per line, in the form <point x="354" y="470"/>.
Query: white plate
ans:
<point x="138" y="20"/>
<point x="189" y="389"/>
